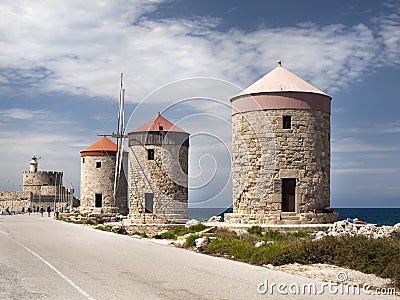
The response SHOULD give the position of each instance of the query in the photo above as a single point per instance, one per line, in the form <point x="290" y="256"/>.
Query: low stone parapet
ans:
<point x="281" y="218"/>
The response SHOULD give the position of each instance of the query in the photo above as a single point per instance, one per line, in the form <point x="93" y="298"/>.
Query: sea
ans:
<point x="379" y="216"/>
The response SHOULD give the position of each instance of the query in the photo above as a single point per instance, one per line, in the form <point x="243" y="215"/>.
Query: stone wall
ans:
<point x="32" y="181"/>
<point x="101" y="181"/>
<point x="263" y="153"/>
<point x="15" y="200"/>
<point x="165" y="177"/>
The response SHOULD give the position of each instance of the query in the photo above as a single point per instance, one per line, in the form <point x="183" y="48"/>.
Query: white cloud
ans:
<point x="22" y="114"/>
<point x="81" y="47"/>
<point x="389" y="34"/>
<point x="380" y="128"/>
<point x="365" y="171"/>
<point x="354" y="145"/>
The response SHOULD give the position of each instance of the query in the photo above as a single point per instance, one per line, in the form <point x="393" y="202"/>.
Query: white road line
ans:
<point x="78" y="288"/>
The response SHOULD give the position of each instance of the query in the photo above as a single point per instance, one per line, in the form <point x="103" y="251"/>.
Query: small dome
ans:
<point x="280" y="80"/>
<point x="159" y="123"/>
<point x="103" y="146"/>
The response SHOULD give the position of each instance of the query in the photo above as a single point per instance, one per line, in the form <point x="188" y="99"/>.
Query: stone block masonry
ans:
<point x="165" y="177"/>
<point x="15" y="201"/>
<point x="263" y="153"/>
<point x="33" y="181"/>
<point x="97" y="177"/>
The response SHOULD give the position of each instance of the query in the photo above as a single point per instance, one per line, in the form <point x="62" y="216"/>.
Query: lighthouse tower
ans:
<point x="98" y="162"/>
<point x="158" y="152"/>
<point x="33" y="165"/>
<point x="280" y="151"/>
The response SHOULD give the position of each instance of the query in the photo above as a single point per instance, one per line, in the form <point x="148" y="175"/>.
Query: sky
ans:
<point x="60" y="66"/>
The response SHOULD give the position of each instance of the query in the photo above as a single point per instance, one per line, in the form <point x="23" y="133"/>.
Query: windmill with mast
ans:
<point x="104" y="187"/>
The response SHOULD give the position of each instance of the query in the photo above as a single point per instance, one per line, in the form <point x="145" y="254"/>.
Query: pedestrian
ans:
<point x="48" y="210"/>
<point x="8" y="210"/>
<point x="29" y="210"/>
<point x="23" y="210"/>
<point x="41" y="211"/>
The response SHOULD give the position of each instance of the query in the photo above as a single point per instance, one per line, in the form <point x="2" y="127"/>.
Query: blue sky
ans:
<point x="60" y="63"/>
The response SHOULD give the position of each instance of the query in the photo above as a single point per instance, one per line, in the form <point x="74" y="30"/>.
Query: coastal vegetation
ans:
<point x="372" y="256"/>
<point x="180" y="230"/>
<point x="379" y="256"/>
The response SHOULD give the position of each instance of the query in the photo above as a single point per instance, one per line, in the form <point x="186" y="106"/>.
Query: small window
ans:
<point x="98" y="164"/>
<point x="150" y="154"/>
<point x="83" y="160"/>
<point x="160" y="128"/>
<point x="287" y="122"/>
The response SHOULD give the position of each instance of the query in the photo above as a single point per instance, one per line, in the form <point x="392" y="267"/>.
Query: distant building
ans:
<point x="158" y="152"/>
<point x="98" y="164"/>
<point x="280" y="151"/>
<point x="40" y="188"/>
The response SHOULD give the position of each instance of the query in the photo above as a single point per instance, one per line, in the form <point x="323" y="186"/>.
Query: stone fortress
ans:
<point x="40" y="189"/>
<point x="281" y="152"/>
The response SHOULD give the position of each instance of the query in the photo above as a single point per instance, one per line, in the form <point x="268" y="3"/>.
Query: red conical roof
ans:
<point x="159" y="123"/>
<point x="102" y="147"/>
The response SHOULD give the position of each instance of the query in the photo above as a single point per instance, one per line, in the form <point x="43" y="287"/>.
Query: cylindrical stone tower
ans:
<point x="280" y="151"/>
<point x="158" y="154"/>
<point x="98" y="162"/>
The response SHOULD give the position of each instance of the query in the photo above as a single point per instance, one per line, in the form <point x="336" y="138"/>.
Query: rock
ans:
<point x="119" y="228"/>
<point x="202" y="243"/>
<point x="116" y="227"/>
<point x="259" y="244"/>
<point x="344" y="228"/>
<point x="242" y="233"/>
<point x="320" y="235"/>
<point x="215" y="219"/>
<point x="269" y="266"/>
<point x="191" y="223"/>
<point x="367" y="231"/>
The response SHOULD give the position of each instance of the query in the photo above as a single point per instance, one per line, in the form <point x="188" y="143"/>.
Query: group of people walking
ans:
<point x="31" y="210"/>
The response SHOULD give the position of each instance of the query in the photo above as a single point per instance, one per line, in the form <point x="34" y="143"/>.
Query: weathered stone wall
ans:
<point x="263" y="153"/>
<point x="14" y="200"/>
<point x="101" y="181"/>
<point x="165" y="176"/>
<point x="32" y="181"/>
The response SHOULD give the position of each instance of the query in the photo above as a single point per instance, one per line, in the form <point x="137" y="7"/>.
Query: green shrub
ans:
<point x="191" y="240"/>
<point x="168" y="235"/>
<point x="378" y="256"/>
<point x="255" y="230"/>
<point x="223" y="233"/>
<point x="197" y="228"/>
<point x="179" y="230"/>
<point x="107" y="228"/>
<point x="273" y="236"/>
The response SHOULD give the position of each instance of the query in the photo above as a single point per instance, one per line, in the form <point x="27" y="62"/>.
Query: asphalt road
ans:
<point x="41" y="258"/>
